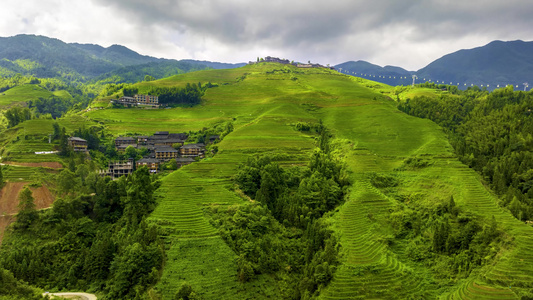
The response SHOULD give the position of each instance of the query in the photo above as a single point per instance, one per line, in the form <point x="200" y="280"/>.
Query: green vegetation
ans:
<point x="96" y="242"/>
<point x="492" y="134"/>
<point x="14" y="289"/>
<point x="271" y="216"/>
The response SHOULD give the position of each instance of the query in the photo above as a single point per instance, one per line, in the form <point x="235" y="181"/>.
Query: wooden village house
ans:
<point x="77" y="144"/>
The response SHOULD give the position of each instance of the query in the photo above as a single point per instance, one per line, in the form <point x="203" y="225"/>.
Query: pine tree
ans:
<point x="27" y="213"/>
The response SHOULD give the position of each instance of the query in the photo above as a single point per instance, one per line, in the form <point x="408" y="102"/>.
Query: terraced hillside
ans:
<point x="264" y="102"/>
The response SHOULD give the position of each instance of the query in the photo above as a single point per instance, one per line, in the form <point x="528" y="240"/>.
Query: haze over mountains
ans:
<point x="497" y="63"/>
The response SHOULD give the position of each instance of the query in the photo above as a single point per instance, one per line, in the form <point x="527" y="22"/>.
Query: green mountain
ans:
<point x="497" y="63"/>
<point x="320" y="188"/>
<point x="45" y="57"/>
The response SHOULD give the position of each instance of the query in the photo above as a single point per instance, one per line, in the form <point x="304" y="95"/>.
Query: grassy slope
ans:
<point x="263" y="120"/>
<point x="264" y="105"/>
<point x="28" y="92"/>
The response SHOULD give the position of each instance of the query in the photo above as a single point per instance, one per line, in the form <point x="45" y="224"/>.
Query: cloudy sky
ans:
<point x="409" y="34"/>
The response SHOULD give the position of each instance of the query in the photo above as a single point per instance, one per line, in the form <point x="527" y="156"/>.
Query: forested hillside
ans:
<point x="318" y="187"/>
<point x="492" y="133"/>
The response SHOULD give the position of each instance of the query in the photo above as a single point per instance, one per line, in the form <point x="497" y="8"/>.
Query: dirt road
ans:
<point x="82" y="296"/>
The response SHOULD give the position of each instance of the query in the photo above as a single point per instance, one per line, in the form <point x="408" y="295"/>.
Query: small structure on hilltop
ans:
<point x="287" y="62"/>
<point x="77" y="144"/>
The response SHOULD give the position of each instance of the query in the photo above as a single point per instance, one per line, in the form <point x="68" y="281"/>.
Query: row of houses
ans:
<point x="161" y="148"/>
<point x="117" y="169"/>
<point x="161" y="145"/>
<point x="147" y="101"/>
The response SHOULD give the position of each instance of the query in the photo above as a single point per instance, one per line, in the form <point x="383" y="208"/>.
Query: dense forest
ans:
<point x="283" y="233"/>
<point x="95" y="237"/>
<point x="492" y="133"/>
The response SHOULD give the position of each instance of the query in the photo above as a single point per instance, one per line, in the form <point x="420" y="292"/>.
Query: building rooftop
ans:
<point x="75" y="138"/>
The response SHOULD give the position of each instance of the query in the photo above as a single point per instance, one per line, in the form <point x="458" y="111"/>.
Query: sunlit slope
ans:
<point x="382" y="139"/>
<point x="264" y="102"/>
<point x="264" y="113"/>
<point x="27" y="92"/>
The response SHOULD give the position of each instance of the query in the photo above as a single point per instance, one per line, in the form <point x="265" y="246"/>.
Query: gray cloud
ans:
<point x="404" y="33"/>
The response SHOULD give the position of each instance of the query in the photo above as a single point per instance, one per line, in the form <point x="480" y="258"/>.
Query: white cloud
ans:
<point x="407" y="34"/>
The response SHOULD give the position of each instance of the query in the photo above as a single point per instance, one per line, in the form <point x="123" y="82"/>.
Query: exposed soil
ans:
<point x="4" y="222"/>
<point x="9" y="202"/>
<point x="46" y="164"/>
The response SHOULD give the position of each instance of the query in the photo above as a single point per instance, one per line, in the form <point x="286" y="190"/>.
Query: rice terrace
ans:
<point x="311" y="184"/>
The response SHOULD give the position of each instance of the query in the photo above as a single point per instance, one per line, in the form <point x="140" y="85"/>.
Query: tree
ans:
<point x="130" y="152"/>
<point x="27" y="213"/>
<point x="66" y="181"/>
<point x="149" y="78"/>
<point x="57" y="130"/>
<point x="1" y="177"/>
<point x="184" y="292"/>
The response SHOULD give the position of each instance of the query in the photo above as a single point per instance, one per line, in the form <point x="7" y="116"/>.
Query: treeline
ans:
<point x="450" y="241"/>
<point x="191" y="94"/>
<point x="14" y="289"/>
<point x="55" y="107"/>
<point x="283" y="232"/>
<point x="492" y="133"/>
<point x="48" y="108"/>
<point x="95" y="238"/>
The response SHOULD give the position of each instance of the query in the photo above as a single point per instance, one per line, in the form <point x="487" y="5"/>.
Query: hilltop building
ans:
<point x="286" y="62"/>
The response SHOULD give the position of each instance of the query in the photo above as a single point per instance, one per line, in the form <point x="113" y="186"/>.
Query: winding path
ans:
<point x="83" y="296"/>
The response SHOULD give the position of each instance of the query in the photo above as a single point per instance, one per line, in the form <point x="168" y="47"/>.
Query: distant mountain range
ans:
<point x="388" y="74"/>
<point x="497" y="63"/>
<point x="48" y="57"/>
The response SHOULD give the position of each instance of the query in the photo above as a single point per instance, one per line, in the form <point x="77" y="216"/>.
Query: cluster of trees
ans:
<point x="492" y="133"/>
<point x="13" y="289"/>
<point x="55" y="107"/>
<point x="191" y="94"/>
<point x="283" y="232"/>
<point x="450" y="241"/>
<point x="94" y="238"/>
<point x="17" y="115"/>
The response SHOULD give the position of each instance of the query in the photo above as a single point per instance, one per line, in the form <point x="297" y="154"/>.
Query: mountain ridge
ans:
<point x="497" y="63"/>
<point x="50" y="57"/>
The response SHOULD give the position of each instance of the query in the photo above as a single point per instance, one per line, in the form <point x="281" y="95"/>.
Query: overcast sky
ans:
<point x="409" y="34"/>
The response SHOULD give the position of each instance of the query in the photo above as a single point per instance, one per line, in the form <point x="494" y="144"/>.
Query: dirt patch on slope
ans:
<point x="9" y="202"/>
<point x="4" y="222"/>
<point x="46" y="164"/>
<point x="9" y="197"/>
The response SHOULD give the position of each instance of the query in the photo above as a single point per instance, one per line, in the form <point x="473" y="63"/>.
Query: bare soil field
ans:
<point x="9" y="202"/>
